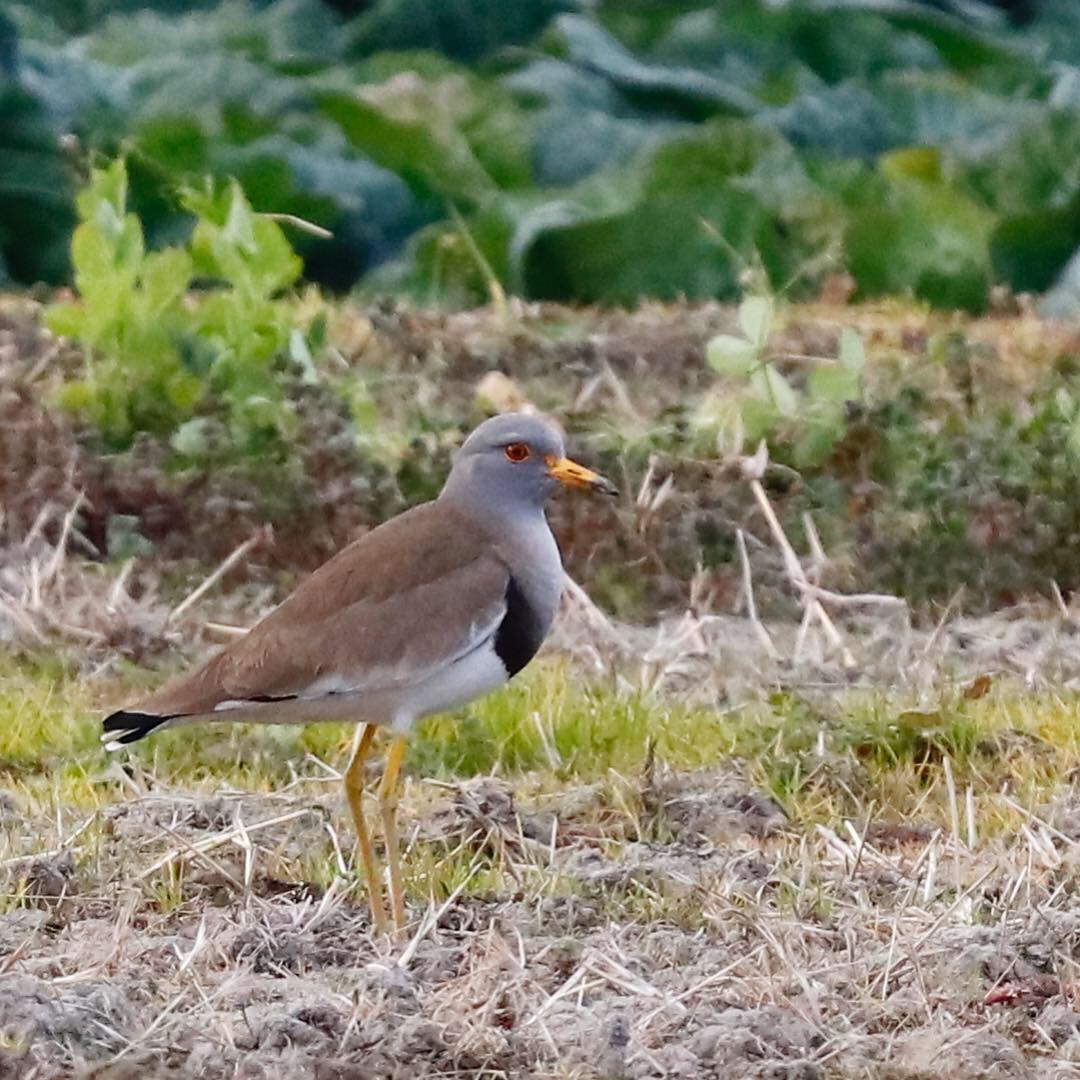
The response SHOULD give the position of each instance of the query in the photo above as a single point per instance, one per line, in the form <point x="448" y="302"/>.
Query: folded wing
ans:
<point x="392" y="609"/>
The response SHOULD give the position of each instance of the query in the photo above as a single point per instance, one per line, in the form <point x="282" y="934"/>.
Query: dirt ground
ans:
<point x="743" y="949"/>
<point x="676" y="924"/>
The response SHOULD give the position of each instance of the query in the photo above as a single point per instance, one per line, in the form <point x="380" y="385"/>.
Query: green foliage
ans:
<point x="201" y="370"/>
<point x="921" y="737"/>
<point x="916" y="235"/>
<point x="448" y="134"/>
<point x="962" y="482"/>
<point x="768" y="403"/>
<point x="461" y="29"/>
<point x="579" y="733"/>
<point x="685" y="223"/>
<point x="129" y="319"/>
<point x="36" y="215"/>
<point x="603" y="154"/>
<point x="560" y="732"/>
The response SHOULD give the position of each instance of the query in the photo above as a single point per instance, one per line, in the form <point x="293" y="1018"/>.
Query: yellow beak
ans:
<point x="574" y="475"/>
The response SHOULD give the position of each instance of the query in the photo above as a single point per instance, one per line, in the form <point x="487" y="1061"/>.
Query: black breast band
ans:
<point x="520" y="633"/>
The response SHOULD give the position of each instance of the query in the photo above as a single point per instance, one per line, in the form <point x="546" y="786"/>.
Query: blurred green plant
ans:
<point x="593" y="153"/>
<point x="813" y="417"/>
<point x="202" y="369"/>
<point x="36" y="215"/>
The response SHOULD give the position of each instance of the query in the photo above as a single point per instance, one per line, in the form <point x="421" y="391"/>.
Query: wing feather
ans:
<point x="391" y="609"/>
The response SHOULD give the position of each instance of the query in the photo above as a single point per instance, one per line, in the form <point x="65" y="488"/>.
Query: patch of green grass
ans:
<point x="551" y="719"/>
<point x="167" y="889"/>
<point x="546" y="719"/>
<point x="438" y="871"/>
<point x="595" y="762"/>
<point x="43" y="715"/>
<point x="857" y="754"/>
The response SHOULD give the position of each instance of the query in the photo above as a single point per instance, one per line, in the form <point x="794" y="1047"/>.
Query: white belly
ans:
<point x="474" y="675"/>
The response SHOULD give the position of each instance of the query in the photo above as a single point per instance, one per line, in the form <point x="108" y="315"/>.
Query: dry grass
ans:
<point x="851" y="883"/>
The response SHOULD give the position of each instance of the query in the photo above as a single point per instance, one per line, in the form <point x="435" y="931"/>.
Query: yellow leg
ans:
<point x="388" y="802"/>
<point x="354" y="792"/>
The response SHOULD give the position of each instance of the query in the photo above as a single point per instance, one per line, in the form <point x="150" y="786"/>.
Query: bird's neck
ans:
<point x="499" y="515"/>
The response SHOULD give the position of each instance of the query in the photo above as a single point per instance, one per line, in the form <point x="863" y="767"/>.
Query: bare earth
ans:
<point x="773" y="953"/>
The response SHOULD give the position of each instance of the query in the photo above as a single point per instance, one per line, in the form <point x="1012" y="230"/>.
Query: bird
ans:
<point x="426" y="612"/>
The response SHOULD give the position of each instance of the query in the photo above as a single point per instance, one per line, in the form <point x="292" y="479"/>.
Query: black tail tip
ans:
<point x="129" y="727"/>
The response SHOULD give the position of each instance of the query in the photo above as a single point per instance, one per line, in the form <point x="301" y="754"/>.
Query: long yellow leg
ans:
<point x="354" y="792"/>
<point x="388" y="801"/>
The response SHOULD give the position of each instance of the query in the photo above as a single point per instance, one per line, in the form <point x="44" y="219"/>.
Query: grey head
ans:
<point x="512" y="463"/>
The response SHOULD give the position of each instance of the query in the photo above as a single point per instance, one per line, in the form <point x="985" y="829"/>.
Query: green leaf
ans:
<point x="756" y="319"/>
<point x="912" y="163"/>
<point x="183" y="392"/>
<point x="107" y="190"/>
<point x="277" y="265"/>
<point x="66" y="320"/>
<point x="846" y="120"/>
<point x="834" y="383"/>
<point x="462" y="29"/>
<point x="590" y="45"/>
<point x="586" y="123"/>
<point x="239" y="227"/>
<point x="427" y="160"/>
<point x="1030" y="250"/>
<point x="960" y="39"/>
<point x="245" y="250"/>
<point x="759" y="416"/>
<point x="77" y="396"/>
<point x="935" y="109"/>
<point x="729" y="355"/>
<point x="36" y="197"/>
<point x="771" y="386"/>
<point x="682" y="223"/>
<point x="1021" y="173"/>
<point x="165" y="278"/>
<point x="457" y="267"/>
<point x="923" y="238"/>
<point x="91" y="254"/>
<point x="444" y="131"/>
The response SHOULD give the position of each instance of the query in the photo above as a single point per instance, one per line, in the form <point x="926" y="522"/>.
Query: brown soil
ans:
<point x="751" y="972"/>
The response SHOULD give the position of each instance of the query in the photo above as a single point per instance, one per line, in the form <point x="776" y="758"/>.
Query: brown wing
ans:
<point x="393" y="607"/>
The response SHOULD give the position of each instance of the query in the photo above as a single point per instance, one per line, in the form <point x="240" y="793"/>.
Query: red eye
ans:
<point x="517" y="451"/>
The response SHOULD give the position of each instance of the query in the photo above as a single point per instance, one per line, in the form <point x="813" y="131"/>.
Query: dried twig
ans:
<point x="754" y="469"/>
<point x="209" y="582"/>
<point x="748" y="596"/>
<point x="827" y="596"/>
<point x="211" y="842"/>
